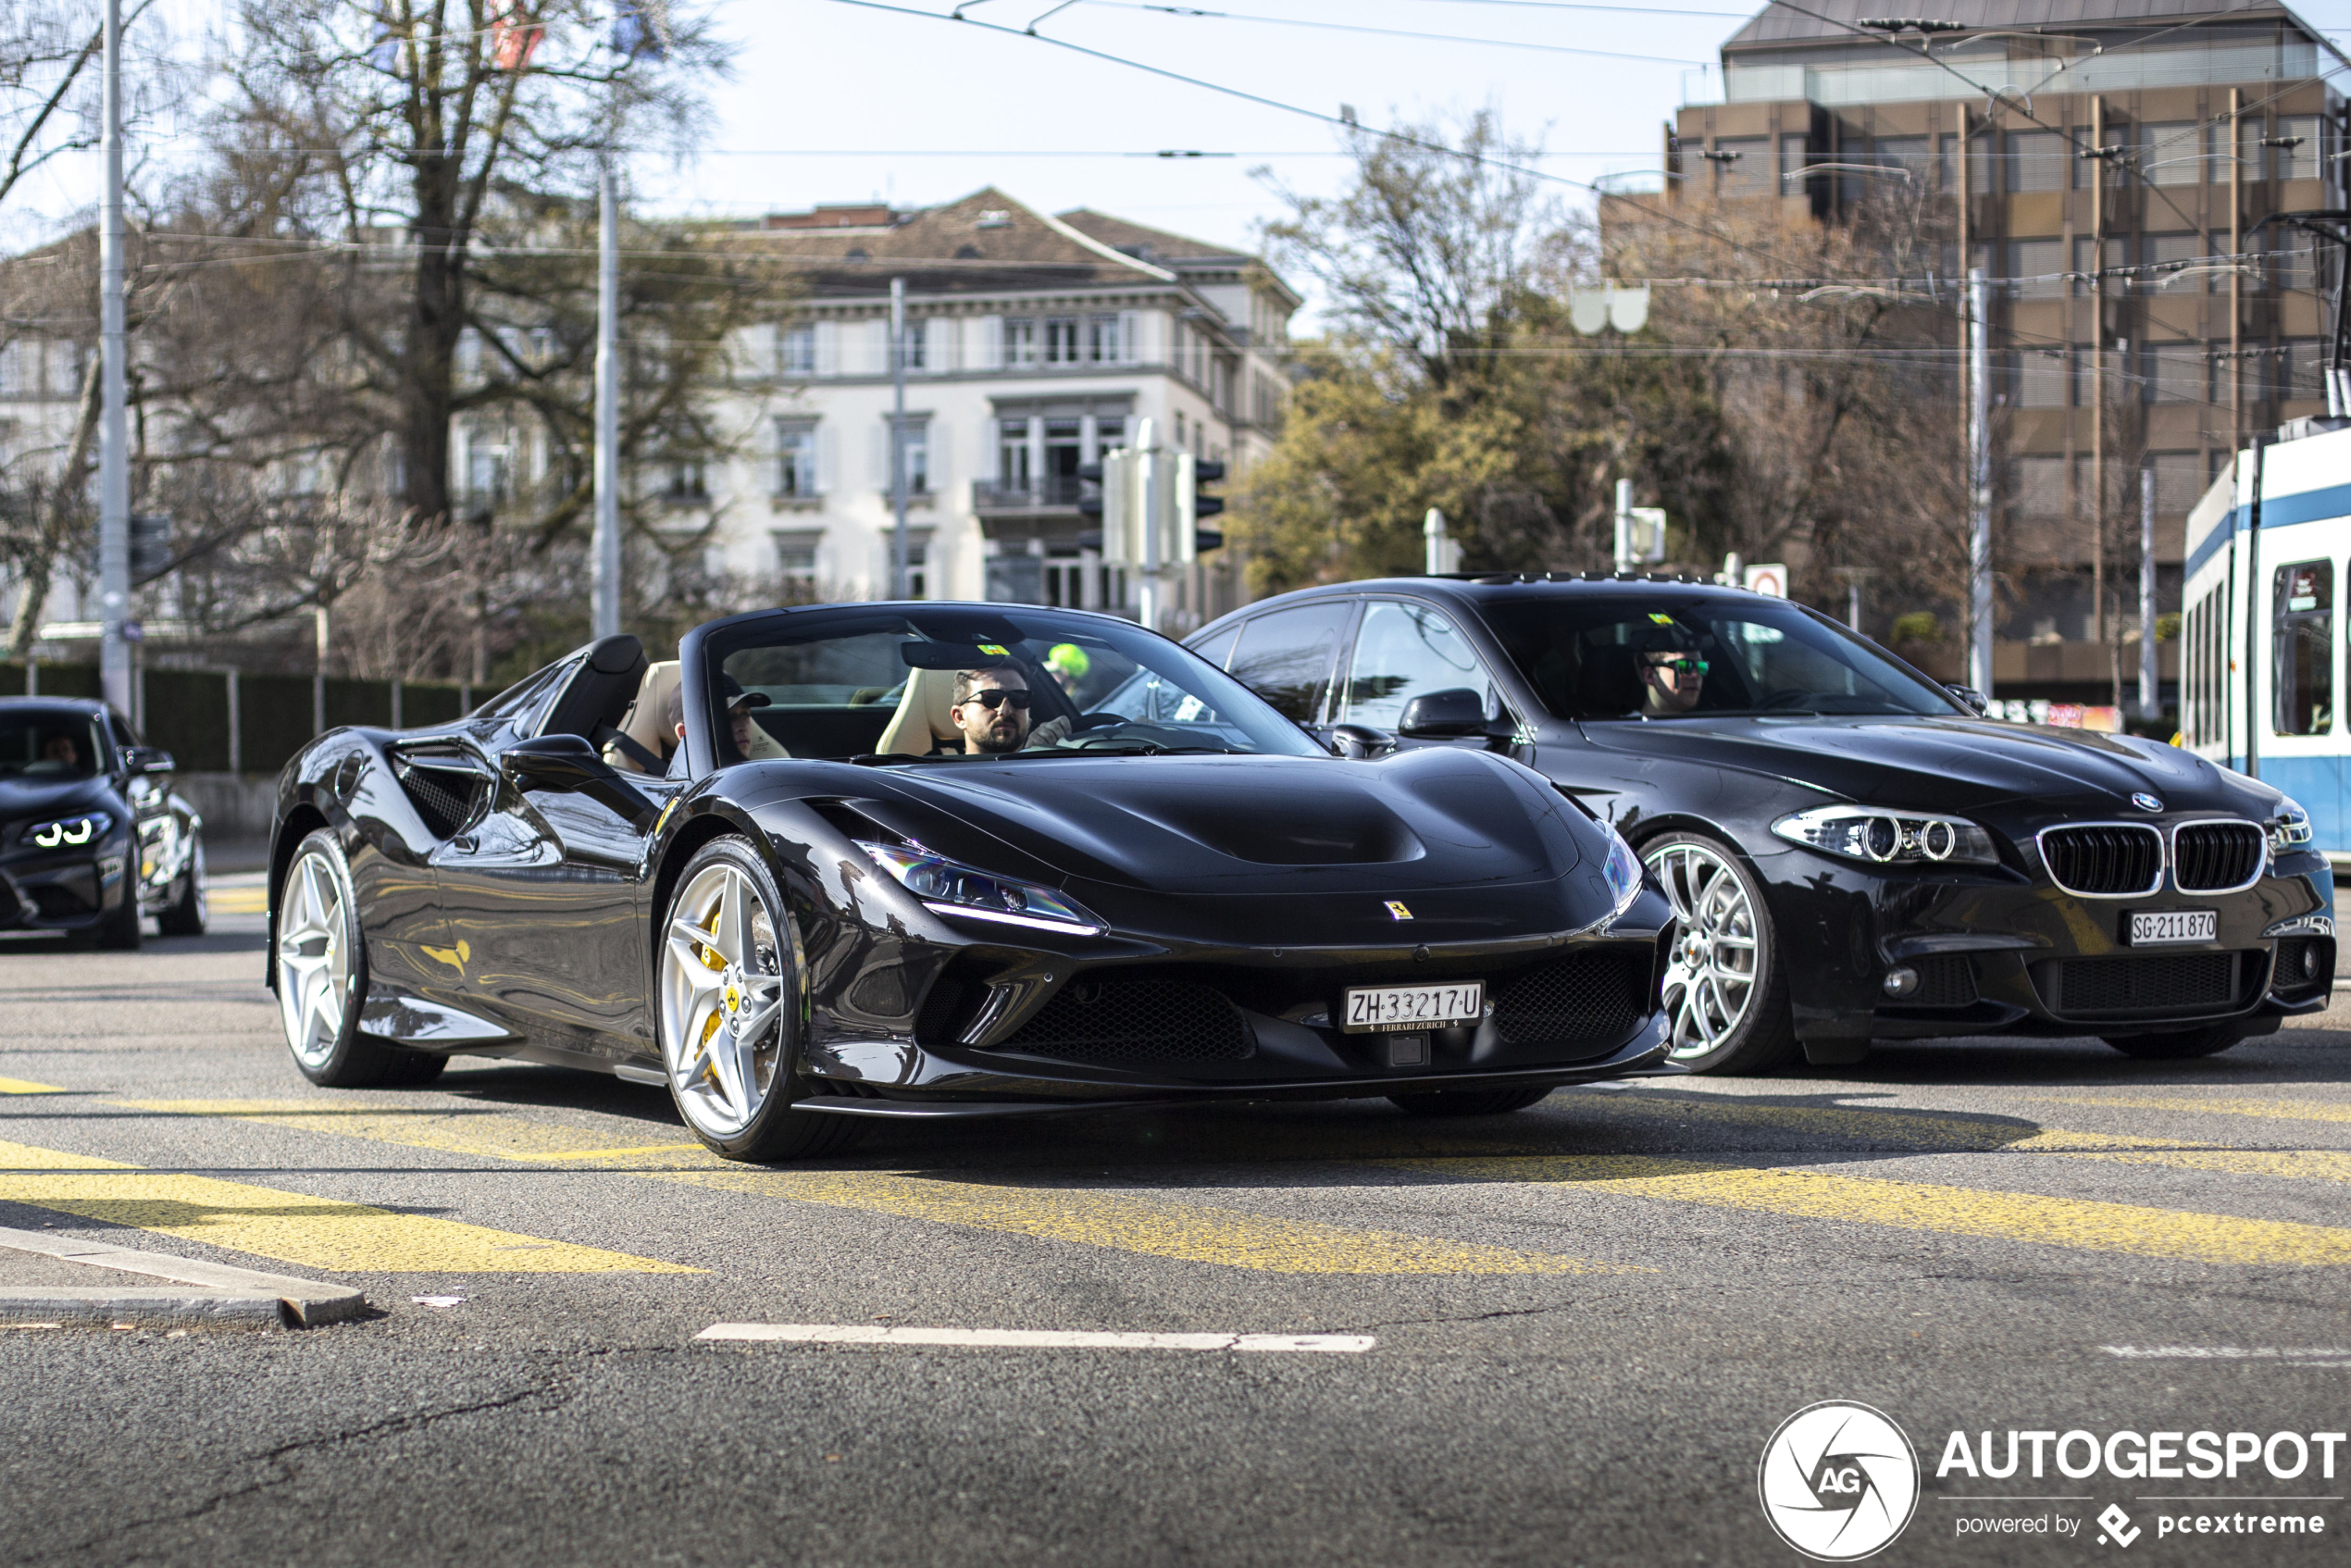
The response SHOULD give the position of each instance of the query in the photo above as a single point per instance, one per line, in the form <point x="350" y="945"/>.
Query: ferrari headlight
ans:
<point x="1623" y="869"/>
<point x="68" y="832"/>
<point x="2289" y="828"/>
<point x="1889" y="838"/>
<point x="946" y="888"/>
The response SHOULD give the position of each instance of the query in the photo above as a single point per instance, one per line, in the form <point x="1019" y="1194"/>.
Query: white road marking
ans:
<point x="2224" y="1353"/>
<point x="1031" y="1339"/>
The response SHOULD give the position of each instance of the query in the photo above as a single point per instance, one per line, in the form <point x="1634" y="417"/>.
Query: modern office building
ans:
<point x="2104" y="161"/>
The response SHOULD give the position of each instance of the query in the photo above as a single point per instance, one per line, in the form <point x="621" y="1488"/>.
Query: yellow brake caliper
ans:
<point x="712" y="959"/>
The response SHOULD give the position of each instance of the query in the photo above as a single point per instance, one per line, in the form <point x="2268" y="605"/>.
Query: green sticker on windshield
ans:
<point x="992" y="648"/>
<point x="1660" y="619"/>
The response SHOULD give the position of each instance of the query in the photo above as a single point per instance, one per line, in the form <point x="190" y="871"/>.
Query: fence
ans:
<point x="222" y="721"/>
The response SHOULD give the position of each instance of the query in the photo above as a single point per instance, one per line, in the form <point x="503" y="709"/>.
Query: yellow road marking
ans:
<point x="21" y="1086"/>
<point x="319" y="1233"/>
<point x="238" y="901"/>
<point x="2274" y="1110"/>
<point x="2010" y="1216"/>
<point x="1971" y="1134"/>
<point x="1120" y="1222"/>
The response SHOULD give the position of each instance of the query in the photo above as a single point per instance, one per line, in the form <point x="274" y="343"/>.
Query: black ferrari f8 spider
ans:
<point x="921" y="860"/>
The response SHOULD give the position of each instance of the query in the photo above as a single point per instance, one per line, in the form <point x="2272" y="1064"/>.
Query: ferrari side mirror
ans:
<point x="1436" y="715"/>
<point x="1359" y="742"/>
<point x="1968" y="697"/>
<point x="568" y="765"/>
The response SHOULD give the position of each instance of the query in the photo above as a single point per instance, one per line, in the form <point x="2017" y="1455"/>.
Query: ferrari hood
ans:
<point x="1945" y="765"/>
<point x="1214" y="825"/>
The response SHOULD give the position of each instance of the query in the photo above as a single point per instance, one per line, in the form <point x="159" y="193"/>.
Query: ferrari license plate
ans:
<point x="2165" y="926"/>
<point x="1376" y="1009"/>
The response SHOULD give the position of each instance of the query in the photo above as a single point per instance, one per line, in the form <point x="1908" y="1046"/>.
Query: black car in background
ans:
<point x="1851" y="849"/>
<point x="92" y="837"/>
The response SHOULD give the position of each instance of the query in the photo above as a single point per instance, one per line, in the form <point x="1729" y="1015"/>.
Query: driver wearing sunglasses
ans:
<point x="991" y="710"/>
<point x="1671" y="680"/>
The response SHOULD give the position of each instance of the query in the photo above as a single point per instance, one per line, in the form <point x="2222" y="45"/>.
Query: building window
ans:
<point x="2039" y="487"/>
<point x="1102" y="343"/>
<point x="796" y="459"/>
<point x="796" y="555"/>
<point x="2167" y="249"/>
<point x="2037" y="267"/>
<point x="917" y="569"/>
<point x="1012" y="454"/>
<point x="684" y="482"/>
<point x="2179" y="481"/>
<point x="796" y="351"/>
<point x="1064" y="450"/>
<point x="1061" y="339"/>
<point x="2297" y="375"/>
<point x="2307" y="155"/>
<point x="916" y="441"/>
<point x="1020" y="340"/>
<point x="2038" y="160"/>
<point x="486" y="473"/>
<point x="2176" y="373"/>
<point x="1913" y="154"/>
<point x="916" y="344"/>
<point x="2168" y="153"/>
<point x="1109" y="434"/>
<point x="1743" y="166"/>
<point x="2086" y="262"/>
<point x="2044" y="379"/>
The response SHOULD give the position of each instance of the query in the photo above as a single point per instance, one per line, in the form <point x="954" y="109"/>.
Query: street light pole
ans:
<point x="1979" y="467"/>
<point x="900" y="554"/>
<point x="2147" y="673"/>
<point x="607" y="595"/>
<point x="114" y="452"/>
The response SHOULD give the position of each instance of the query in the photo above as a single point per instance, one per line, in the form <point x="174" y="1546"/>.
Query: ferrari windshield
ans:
<point x="1664" y="655"/>
<point x="48" y="743"/>
<point x="981" y="680"/>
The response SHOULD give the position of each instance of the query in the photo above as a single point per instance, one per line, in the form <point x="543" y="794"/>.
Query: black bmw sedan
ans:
<point x="1852" y="851"/>
<point x="843" y="862"/>
<point x="92" y="839"/>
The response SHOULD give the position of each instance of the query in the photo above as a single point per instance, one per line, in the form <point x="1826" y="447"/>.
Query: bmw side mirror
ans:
<point x="1968" y="697"/>
<point x="568" y="765"/>
<point x="1442" y="716"/>
<point x="138" y="759"/>
<point x="1359" y="742"/>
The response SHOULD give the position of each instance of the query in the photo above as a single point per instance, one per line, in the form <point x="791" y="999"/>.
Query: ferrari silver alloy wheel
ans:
<point x="313" y="960"/>
<point x="722" y="1001"/>
<point x="1711" y="982"/>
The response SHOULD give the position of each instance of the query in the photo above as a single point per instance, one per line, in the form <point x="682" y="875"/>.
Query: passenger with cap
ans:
<point x="741" y="726"/>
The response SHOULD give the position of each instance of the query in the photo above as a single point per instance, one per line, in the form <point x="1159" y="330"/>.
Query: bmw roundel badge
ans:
<point x="2145" y="802"/>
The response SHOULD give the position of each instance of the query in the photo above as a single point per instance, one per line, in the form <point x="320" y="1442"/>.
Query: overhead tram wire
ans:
<point x="1337" y="122"/>
<point x="1189" y="12"/>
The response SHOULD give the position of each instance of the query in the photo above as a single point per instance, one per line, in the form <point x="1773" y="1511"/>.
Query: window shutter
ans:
<point x="991" y="342"/>
<point x="877" y="454"/>
<point x="828" y="348"/>
<point x="939" y="455"/>
<point x="828" y="458"/>
<point x="1130" y="322"/>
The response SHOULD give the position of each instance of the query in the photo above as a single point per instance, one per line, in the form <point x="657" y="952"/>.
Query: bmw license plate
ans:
<point x="1378" y="1008"/>
<point x="2165" y="927"/>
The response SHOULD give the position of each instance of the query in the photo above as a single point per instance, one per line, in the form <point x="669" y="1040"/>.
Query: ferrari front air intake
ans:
<point x="1136" y="1024"/>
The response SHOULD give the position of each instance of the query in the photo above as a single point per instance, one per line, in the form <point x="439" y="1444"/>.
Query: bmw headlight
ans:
<point x="946" y="888"/>
<point x="68" y="832"/>
<point x="2289" y="828"/>
<point x="1889" y="838"/>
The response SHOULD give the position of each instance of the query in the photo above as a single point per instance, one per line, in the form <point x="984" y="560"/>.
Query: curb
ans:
<point x="225" y="1297"/>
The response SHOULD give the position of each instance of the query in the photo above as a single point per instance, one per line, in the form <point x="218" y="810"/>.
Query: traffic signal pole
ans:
<point x="114" y="434"/>
<point x="1148" y="596"/>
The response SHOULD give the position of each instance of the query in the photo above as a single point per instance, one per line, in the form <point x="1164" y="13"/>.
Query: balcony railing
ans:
<point x="1054" y="492"/>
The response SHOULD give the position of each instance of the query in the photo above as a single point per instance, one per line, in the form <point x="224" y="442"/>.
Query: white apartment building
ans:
<point x="1035" y="344"/>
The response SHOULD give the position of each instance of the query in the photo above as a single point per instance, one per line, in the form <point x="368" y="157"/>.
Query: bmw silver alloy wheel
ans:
<point x="1710" y="981"/>
<point x="313" y="960"/>
<point x="722" y="1001"/>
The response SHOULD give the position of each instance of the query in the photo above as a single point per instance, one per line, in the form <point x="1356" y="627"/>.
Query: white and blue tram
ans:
<point x="2261" y="667"/>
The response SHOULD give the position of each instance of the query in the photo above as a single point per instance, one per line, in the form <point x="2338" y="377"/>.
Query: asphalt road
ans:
<point x="1585" y="1320"/>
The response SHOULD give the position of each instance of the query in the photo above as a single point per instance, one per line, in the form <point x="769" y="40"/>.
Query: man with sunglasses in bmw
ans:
<point x="991" y="711"/>
<point x="1671" y="680"/>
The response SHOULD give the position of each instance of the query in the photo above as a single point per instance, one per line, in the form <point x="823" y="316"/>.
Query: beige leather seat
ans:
<point x="921" y="724"/>
<point x="644" y="725"/>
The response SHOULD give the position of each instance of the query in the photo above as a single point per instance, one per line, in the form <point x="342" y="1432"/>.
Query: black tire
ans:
<point x="2208" y="1042"/>
<point x="187" y="913"/>
<point x="1469" y="1102"/>
<point x="331" y="1052"/>
<point x="775" y="1131"/>
<point x="118" y="930"/>
<point x="1764" y="1037"/>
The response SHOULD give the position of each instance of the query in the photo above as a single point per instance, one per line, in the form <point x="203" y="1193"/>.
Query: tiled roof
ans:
<point x="985" y="244"/>
<point x="1150" y="245"/>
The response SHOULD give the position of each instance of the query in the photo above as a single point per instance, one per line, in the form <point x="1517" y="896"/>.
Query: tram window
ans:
<point x="2302" y="649"/>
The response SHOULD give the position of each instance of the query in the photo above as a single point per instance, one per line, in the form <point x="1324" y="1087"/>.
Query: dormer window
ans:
<point x="994" y="217"/>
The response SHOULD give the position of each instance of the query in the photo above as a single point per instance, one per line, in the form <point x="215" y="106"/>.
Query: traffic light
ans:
<point x="1192" y="503"/>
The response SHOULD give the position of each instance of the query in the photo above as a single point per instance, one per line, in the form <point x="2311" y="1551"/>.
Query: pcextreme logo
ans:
<point x="1839" y="1481"/>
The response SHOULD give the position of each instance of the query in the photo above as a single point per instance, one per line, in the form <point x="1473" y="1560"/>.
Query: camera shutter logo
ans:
<point x="1839" y="1481"/>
